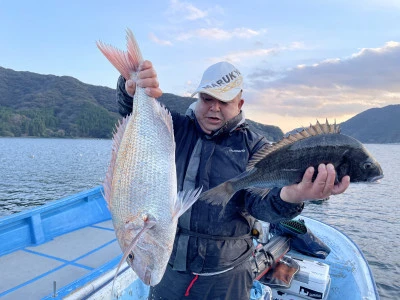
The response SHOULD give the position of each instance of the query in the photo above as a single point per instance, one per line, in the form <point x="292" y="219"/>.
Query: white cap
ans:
<point x="221" y="81"/>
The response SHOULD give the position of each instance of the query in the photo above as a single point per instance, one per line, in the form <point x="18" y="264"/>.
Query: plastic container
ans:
<point x="311" y="282"/>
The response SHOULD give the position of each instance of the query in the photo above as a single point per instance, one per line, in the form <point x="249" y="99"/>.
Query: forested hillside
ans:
<point x="52" y="106"/>
<point x="375" y="125"/>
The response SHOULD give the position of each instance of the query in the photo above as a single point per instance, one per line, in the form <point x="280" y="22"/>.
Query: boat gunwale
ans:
<point x="42" y="224"/>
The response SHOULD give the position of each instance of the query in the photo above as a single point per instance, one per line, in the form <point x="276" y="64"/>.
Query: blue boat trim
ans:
<point x="41" y="224"/>
<point x="360" y="253"/>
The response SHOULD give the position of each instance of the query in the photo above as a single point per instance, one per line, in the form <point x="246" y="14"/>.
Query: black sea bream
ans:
<point x="285" y="162"/>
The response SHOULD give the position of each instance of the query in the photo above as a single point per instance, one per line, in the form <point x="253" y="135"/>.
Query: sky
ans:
<point x="302" y="61"/>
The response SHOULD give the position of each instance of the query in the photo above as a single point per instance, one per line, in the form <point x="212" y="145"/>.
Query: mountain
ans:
<point x="375" y="125"/>
<point x="33" y="104"/>
<point x="51" y="106"/>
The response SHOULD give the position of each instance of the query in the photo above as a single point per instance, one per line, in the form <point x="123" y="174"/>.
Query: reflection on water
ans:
<point x="35" y="171"/>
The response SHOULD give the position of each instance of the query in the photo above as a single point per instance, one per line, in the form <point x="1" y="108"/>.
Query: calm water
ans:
<point x="35" y="171"/>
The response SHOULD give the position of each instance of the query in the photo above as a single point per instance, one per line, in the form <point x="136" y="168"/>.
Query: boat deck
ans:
<point x="30" y="272"/>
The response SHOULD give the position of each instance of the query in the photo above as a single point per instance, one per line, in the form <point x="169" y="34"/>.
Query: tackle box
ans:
<point x="312" y="281"/>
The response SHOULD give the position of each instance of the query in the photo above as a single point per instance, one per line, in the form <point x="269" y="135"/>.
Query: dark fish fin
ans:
<point x="258" y="191"/>
<point x="313" y="130"/>
<point x="220" y="195"/>
<point x="261" y="192"/>
<point x="149" y="222"/>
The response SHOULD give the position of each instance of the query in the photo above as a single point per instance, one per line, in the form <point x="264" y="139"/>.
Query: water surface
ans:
<point x="36" y="171"/>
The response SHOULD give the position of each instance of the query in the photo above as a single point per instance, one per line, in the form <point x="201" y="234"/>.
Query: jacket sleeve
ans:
<point x="271" y="208"/>
<point x="124" y="101"/>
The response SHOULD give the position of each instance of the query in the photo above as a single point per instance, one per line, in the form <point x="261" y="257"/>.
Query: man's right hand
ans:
<point x="322" y="187"/>
<point x="147" y="79"/>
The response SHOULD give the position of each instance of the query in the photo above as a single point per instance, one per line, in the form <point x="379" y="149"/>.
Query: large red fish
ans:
<point x="141" y="186"/>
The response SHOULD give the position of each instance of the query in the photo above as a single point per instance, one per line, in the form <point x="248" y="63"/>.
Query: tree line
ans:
<point x="89" y="122"/>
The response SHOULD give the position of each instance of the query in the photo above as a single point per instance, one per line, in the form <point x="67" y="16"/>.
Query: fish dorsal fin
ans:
<point x="313" y="130"/>
<point x="117" y="137"/>
<point x="166" y="117"/>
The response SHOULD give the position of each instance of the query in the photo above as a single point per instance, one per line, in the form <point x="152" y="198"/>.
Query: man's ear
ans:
<point x="240" y="104"/>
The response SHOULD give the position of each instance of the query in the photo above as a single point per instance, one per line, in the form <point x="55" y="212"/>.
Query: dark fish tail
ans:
<point x="220" y="195"/>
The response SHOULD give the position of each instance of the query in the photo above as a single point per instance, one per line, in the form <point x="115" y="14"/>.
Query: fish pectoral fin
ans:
<point x="149" y="221"/>
<point x="184" y="200"/>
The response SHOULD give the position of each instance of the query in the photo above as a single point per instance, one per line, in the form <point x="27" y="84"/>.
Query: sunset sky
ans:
<point x="301" y="60"/>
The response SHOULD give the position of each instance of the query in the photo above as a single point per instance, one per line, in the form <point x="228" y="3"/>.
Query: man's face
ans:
<point x="212" y="113"/>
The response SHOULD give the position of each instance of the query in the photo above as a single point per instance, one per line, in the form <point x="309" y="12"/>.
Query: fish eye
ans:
<point x="367" y="165"/>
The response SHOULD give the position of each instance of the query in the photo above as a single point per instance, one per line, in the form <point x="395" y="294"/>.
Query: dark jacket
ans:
<point x="212" y="246"/>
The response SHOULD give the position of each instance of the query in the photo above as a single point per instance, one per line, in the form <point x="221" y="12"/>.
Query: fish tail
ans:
<point x="126" y="63"/>
<point x="220" y="195"/>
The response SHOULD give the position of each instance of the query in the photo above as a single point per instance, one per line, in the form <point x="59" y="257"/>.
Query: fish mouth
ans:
<point x="375" y="178"/>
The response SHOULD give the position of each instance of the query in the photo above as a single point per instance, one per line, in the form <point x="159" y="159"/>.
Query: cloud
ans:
<point x="156" y="40"/>
<point x="333" y="87"/>
<point x="373" y="67"/>
<point x="239" y="56"/>
<point x="220" y="34"/>
<point x="207" y="22"/>
<point x="181" y="11"/>
<point x="185" y="9"/>
<point x="213" y="34"/>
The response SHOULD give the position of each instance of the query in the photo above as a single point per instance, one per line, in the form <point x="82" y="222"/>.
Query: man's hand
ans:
<point x="147" y="79"/>
<point x="322" y="187"/>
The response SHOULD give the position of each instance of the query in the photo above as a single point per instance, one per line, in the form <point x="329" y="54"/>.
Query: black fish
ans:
<point x="285" y="162"/>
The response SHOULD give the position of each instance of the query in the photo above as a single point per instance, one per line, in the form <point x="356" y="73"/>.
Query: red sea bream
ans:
<point x="141" y="186"/>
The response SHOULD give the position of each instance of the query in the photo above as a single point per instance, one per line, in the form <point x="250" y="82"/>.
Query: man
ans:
<point x="210" y="258"/>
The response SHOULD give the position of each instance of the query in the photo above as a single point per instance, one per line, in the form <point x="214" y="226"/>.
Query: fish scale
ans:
<point x="141" y="185"/>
